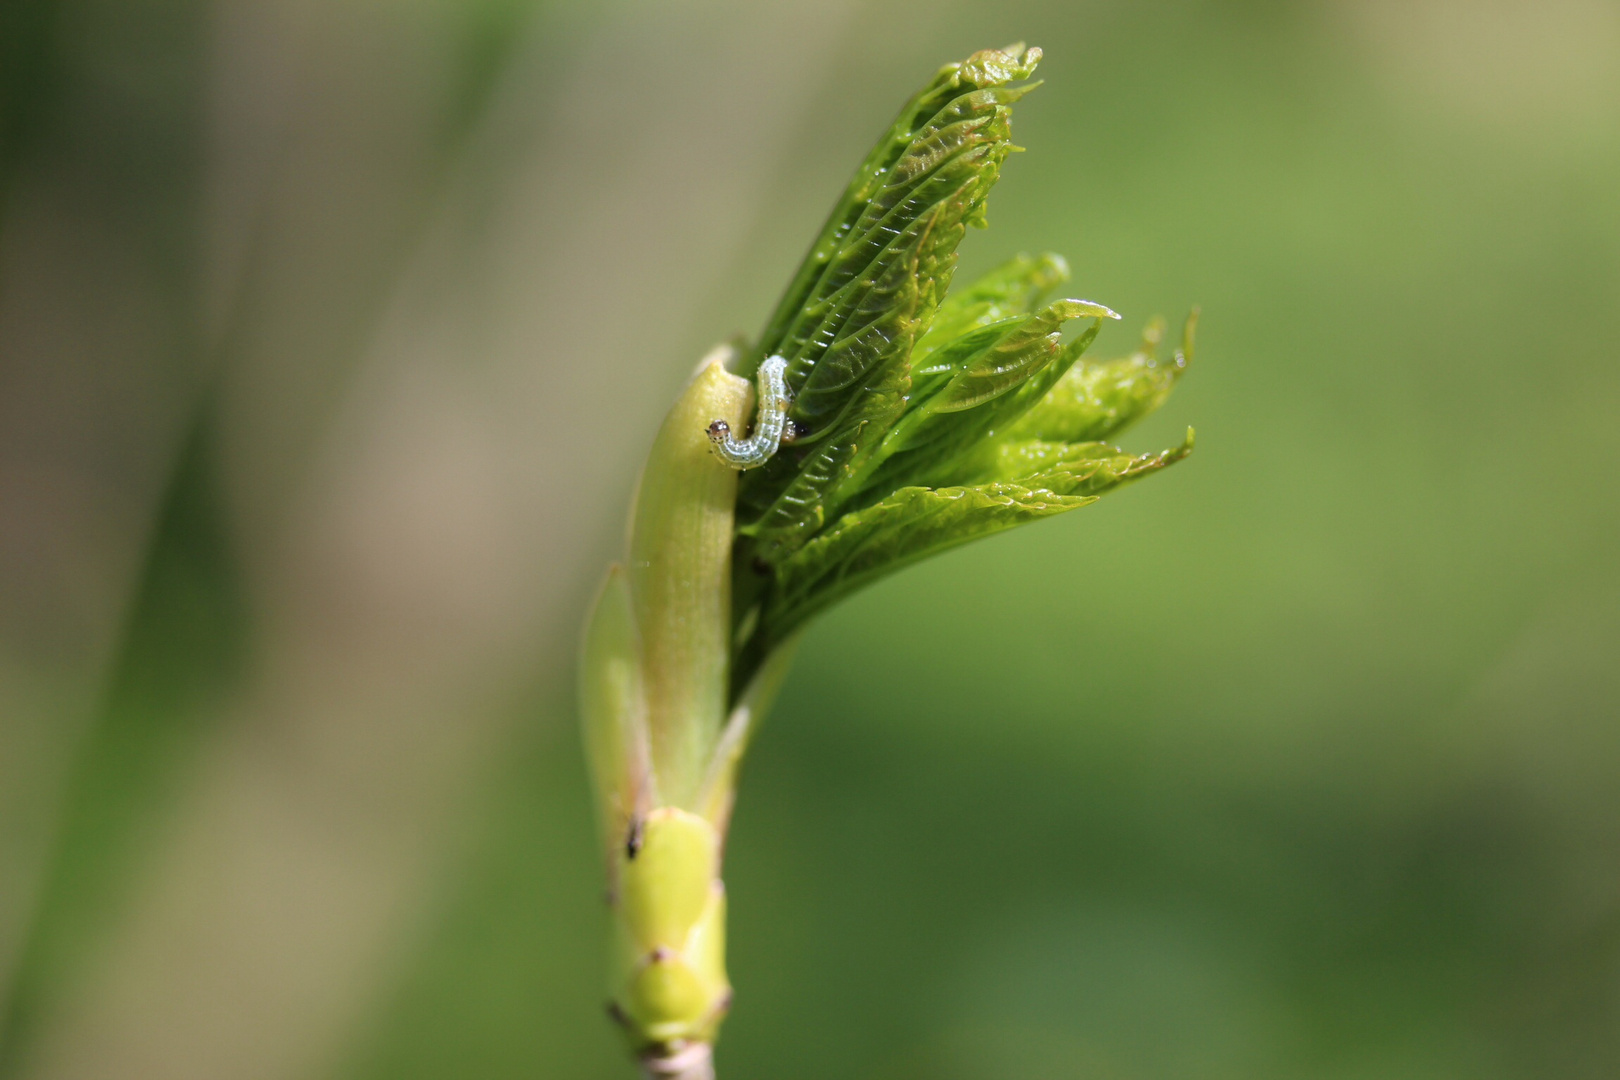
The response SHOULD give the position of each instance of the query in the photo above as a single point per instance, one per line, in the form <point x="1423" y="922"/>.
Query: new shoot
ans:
<point x="893" y="419"/>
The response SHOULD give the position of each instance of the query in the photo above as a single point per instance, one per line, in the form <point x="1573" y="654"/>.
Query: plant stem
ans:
<point x="693" y="1062"/>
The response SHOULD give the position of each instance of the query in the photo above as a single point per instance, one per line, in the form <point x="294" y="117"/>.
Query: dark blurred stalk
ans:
<point x="181" y="651"/>
<point x="121" y="152"/>
<point x="123" y="144"/>
<point x="28" y="69"/>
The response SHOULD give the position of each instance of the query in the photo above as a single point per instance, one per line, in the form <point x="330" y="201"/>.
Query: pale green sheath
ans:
<point x="663" y="751"/>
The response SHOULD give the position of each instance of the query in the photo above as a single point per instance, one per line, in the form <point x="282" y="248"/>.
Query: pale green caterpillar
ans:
<point x="770" y="429"/>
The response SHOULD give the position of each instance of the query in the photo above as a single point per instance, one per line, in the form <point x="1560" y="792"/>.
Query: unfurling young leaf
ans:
<point x="1094" y="401"/>
<point x="916" y="421"/>
<point x="871" y="284"/>
<point x="1028" y="481"/>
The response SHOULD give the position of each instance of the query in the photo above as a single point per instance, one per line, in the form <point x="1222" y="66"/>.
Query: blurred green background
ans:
<point x="332" y="333"/>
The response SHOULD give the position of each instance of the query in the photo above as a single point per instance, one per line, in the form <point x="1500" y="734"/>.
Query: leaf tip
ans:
<point x="1092" y="309"/>
<point x="1189" y="331"/>
<point x="997" y="67"/>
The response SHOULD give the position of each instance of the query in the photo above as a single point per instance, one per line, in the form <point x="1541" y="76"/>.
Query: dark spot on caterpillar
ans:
<point x="719" y="430"/>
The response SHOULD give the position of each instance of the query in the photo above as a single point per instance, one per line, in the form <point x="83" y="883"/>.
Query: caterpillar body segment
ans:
<point x="770" y="427"/>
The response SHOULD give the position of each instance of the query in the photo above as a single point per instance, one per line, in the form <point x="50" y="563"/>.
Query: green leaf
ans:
<point x="916" y="522"/>
<point x="870" y="287"/>
<point x="875" y="179"/>
<point x="1013" y="288"/>
<point x="911" y="412"/>
<point x="800" y="508"/>
<point x="909" y="525"/>
<point x="1096" y="401"/>
<point x="981" y="384"/>
<point x="1013" y="357"/>
<point x="1068" y="467"/>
